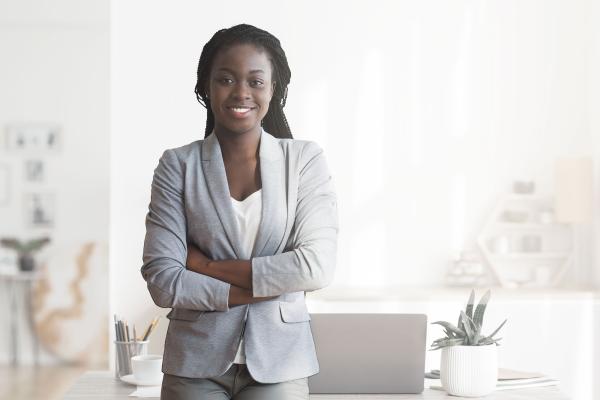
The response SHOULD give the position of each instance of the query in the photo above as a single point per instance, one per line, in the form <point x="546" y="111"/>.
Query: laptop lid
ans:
<point x="369" y="353"/>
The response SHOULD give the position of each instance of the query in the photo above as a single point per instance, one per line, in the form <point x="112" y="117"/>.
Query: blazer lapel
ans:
<point x="218" y="188"/>
<point x="274" y="211"/>
<point x="274" y="200"/>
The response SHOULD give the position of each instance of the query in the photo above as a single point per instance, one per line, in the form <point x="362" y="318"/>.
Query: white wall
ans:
<point x="445" y="104"/>
<point x="593" y="110"/>
<point x="54" y="69"/>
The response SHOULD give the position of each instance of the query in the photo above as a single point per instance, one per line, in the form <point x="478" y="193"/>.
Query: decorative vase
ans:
<point x="26" y="263"/>
<point x="469" y="371"/>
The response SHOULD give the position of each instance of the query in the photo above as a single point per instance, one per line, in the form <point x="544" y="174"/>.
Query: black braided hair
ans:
<point x="274" y="121"/>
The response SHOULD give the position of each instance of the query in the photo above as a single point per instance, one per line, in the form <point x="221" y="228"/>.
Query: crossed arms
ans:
<point x="238" y="273"/>
<point x="175" y="282"/>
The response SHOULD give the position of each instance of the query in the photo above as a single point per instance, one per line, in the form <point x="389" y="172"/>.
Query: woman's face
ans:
<point x="240" y="88"/>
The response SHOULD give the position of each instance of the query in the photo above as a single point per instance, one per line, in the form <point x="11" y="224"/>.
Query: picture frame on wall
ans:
<point x="4" y="185"/>
<point x="40" y="210"/>
<point x="34" y="171"/>
<point x="32" y="138"/>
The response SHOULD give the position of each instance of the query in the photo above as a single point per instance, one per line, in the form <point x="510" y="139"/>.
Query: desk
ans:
<point x="103" y="385"/>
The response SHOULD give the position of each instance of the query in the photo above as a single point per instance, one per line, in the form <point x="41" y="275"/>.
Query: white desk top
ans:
<point x="103" y="385"/>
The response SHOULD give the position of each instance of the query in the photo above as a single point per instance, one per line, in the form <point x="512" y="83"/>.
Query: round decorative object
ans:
<point x="469" y="371"/>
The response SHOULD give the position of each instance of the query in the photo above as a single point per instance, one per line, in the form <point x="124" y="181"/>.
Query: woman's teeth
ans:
<point x="241" y="110"/>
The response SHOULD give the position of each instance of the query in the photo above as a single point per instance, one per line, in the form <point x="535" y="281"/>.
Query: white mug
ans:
<point x="147" y="367"/>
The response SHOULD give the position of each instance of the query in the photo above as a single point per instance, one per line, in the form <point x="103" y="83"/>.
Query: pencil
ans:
<point x="122" y="331"/>
<point x="116" y="328"/>
<point x="146" y="332"/>
<point x="127" y="332"/>
<point x="151" y="328"/>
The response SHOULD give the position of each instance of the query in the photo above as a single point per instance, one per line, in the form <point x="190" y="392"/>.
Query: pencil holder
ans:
<point x="123" y="353"/>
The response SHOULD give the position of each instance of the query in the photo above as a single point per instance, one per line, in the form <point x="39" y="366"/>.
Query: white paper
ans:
<point x="436" y="384"/>
<point x="511" y="374"/>
<point x="146" y="391"/>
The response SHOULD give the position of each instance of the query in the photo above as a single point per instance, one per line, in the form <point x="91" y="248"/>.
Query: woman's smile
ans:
<point x="240" y="112"/>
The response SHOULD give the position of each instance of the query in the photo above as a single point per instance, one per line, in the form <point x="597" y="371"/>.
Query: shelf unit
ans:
<point x="530" y="252"/>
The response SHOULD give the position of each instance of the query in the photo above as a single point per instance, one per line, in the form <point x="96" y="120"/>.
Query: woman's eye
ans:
<point x="256" y="83"/>
<point x="226" y="80"/>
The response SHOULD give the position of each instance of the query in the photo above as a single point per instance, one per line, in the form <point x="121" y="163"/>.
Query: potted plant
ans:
<point x="25" y="250"/>
<point x="469" y="362"/>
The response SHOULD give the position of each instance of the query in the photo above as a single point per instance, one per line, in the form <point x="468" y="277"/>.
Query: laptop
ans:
<point x="369" y="353"/>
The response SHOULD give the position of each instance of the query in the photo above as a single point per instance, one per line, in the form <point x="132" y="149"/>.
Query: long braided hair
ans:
<point x="274" y="121"/>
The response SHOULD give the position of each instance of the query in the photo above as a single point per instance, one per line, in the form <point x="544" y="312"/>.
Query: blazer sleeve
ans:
<point x="169" y="282"/>
<point x="311" y="263"/>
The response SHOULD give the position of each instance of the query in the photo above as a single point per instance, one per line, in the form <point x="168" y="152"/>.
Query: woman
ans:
<point x="240" y="225"/>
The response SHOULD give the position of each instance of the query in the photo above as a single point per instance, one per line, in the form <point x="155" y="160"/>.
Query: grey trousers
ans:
<point x="235" y="384"/>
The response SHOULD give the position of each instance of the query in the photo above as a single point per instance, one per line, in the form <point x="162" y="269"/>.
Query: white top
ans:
<point x="247" y="215"/>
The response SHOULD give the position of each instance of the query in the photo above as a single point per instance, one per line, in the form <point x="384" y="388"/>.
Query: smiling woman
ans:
<point x="240" y="225"/>
<point x="245" y="62"/>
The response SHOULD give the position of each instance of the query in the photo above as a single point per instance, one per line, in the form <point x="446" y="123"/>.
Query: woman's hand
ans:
<point x="239" y="296"/>
<point x="196" y="261"/>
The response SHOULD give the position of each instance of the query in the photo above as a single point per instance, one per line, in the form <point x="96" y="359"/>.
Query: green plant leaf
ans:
<point x="489" y="340"/>
<point x="473" y="337"/>
<point x="468" y="325"/>
<point x="23" y="248"/>
<point x="449" y="333"/>
<point x="480" y="310"/>
<point x="450" y="327"/>
<point x="498" y="328"/>
<point x="446" y="343"/>
<point x="469" y="309"/>
<point x="35" y="244"/>
<point x="11" y="243"/>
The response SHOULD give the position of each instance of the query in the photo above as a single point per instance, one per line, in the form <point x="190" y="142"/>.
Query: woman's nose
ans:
<point x="241" y="91"/>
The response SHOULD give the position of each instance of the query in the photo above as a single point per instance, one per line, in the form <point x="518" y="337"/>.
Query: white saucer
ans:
<point x="131" y="380"/>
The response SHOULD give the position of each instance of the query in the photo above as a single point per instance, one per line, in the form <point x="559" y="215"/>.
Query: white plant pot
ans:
<point x="469" y="371"/>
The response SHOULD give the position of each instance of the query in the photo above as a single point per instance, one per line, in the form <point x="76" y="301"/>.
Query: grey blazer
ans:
<point x="295" y="252"/>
